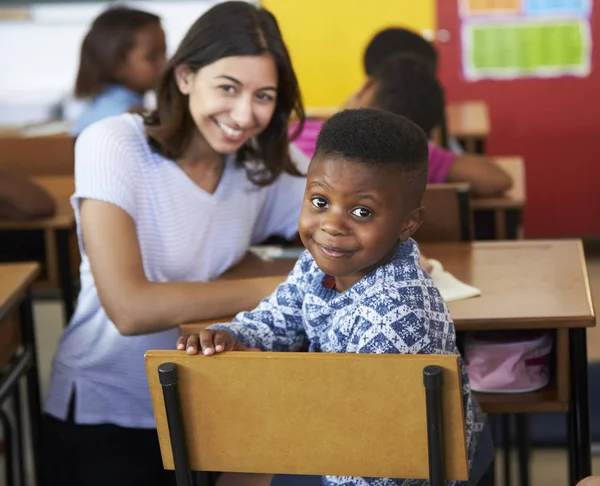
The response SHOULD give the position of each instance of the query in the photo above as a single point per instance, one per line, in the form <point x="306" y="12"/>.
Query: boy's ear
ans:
<point x="411" y="223"/>
<point x="184" y="77"/>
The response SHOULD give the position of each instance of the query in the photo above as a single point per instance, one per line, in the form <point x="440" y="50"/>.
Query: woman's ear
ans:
<point x="184" y="78"/>
<point x="411" y="223"/>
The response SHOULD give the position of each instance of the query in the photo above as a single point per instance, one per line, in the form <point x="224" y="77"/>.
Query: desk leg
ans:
<point x="512" y="218"/>
<point x="66" y="278"/>
<point x="33" y="384"/>
<point x="480" y="146"/>
<point x="578" y="417"/>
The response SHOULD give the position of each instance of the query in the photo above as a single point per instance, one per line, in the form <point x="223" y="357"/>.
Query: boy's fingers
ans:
<point x="192" y="344"/>
<point x="206" y="342"/>
<point x="220" y="341"/>
<point x="181" y="342"/>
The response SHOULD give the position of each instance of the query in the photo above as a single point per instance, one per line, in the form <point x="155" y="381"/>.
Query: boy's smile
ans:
<point x="353" y="217"/>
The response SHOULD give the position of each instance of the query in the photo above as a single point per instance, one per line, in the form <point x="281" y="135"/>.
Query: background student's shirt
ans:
<point x="114" y="100"/>
<point x="440" y="160"/>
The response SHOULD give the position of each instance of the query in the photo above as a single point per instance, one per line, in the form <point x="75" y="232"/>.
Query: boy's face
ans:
<point x="353" y="217"/>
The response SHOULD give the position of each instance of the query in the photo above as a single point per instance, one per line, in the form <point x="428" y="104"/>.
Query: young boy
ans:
<point x="359" y="287"/>
<point x="405" y="84"/>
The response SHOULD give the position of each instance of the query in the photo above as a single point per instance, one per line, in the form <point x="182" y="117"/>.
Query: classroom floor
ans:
<point x="548" y="467"/>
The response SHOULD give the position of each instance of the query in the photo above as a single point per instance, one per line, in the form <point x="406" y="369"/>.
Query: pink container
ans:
<point x="508" y="363"/>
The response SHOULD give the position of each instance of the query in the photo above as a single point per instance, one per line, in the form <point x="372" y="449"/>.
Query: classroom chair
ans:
<point x="38" y="156"/>
<point x="315" y="413"/>
<point x="448" y="215"/>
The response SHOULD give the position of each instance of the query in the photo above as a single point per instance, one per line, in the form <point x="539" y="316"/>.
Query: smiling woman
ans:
<point x="164" y="205"/>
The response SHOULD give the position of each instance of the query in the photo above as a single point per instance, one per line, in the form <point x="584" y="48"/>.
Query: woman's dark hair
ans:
<point x="233" y="28"/>
<point x="106" y="45"/>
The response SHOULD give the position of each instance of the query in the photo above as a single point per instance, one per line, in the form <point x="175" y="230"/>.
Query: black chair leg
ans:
<point x="432" y="379"/>
<point x="167" y="373"/>
<point x="9" y="469"/>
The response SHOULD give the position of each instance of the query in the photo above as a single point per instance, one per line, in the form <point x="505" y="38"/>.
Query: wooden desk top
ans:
<point x="14" y="280"/>
<point x="529" y="283"/>
<point x="525" y="284"/>
<point x="61" y="188"/>
<point x="515" y="197"/>
<point x="468" y="119"/>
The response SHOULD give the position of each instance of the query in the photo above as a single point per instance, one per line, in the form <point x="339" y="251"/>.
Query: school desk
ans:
<point x="57" y="230"/>
<point x="506" y="209"/>
<point x="18" y="359"/>
<point x="469" y="121"/>
<point x="526" y="285"/>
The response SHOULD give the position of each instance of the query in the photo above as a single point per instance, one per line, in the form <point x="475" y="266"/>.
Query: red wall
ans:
<point x="553" y="123"/>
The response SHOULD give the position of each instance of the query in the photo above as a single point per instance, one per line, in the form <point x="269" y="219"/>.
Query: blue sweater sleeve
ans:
<point x="276" y="324"/>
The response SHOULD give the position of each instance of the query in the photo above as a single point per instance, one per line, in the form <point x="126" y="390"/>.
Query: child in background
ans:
<point x="396" y="40"/>
<point x="121" y="58"/>
<point x="359" y="287"/>
<point x="405" y="85"/>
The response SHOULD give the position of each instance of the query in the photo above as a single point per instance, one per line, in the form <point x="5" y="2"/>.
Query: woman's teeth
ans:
<point x="232" y="132"/>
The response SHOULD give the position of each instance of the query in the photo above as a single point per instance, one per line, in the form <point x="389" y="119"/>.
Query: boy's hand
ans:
<point x="210" y="342"/>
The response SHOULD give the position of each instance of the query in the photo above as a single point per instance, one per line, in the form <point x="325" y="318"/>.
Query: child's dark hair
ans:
<point x="234" y="28"/>
<point x="106" y="45"/>
<point x="397" y="40"/>
<point x="381" y="140"/>
<point x="405" y="85"/>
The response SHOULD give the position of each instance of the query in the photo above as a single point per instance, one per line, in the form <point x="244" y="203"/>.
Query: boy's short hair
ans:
<point x="380" y="140"/>
<point x="406" y="86"/>
<point x="398" y="40"/>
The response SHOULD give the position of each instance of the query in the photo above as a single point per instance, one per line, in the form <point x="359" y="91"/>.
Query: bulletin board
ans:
<point x="326" y="39"/>
<point x="508" y="39"/>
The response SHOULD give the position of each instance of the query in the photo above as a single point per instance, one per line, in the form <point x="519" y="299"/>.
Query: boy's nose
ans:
<point x="333" y="224"/>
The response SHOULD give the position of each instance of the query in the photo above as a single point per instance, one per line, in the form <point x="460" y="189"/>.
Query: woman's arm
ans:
<point x="21" y="198"/>
<point x="138" y="306"/>
<point x="485" y="178"/>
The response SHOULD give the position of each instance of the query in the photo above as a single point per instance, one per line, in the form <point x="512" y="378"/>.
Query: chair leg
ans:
<point x="167" y="374"/>
<point x="20" y="434"/>
<point x="432" y="379"/>
<point x="8" y="449"/>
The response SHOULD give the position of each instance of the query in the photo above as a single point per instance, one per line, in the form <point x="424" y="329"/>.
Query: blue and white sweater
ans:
<point x="396" y="309"/>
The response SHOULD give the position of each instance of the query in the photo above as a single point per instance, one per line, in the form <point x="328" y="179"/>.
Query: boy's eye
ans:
<point x="361" y="212"/>
<point x="319" y="202"/>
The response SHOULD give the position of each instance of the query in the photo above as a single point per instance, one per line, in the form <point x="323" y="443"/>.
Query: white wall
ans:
<point x="39" y="56"/>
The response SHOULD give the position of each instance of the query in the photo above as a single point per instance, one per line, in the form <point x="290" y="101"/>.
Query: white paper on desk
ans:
<point x="449" y="286"/>
<point x="272" y="252"/>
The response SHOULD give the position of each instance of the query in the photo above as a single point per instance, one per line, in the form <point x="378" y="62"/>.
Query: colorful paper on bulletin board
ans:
<point x="527" y="7"/>
<point x="546" y="7"/>
<point x="508" y="50"/>
<point x="489" y="7"/>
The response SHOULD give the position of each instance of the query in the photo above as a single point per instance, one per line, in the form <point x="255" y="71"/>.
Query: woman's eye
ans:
<point x="265" y="97"/>
<point x="319" y="202"/>
<point x="361" y="212"/>
<point x="228" y="88"/>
